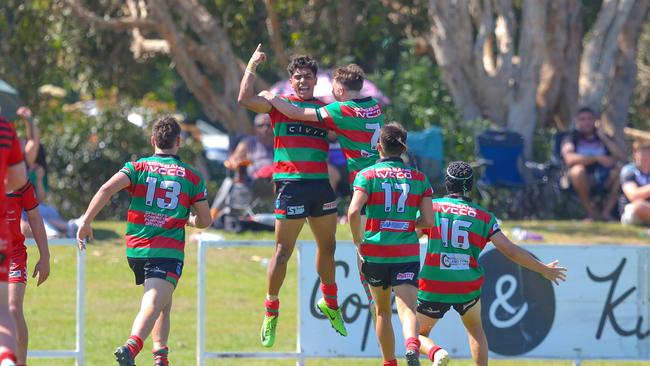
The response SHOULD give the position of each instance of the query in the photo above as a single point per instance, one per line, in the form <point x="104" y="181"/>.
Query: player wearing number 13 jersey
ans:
<point x="451" y="275"/>
<point x="163" y="189"/>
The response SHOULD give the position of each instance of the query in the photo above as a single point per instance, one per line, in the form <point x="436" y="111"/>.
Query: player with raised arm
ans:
<point x="390" y="249"/>
<point x="355" y="118"/>
<point x="24" y="199"/>
<point x="451" y="275"/>
<point x="302" y="189"/>
<point x="166" y="194"/>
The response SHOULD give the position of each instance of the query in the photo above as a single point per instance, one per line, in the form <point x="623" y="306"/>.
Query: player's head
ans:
<point x="347" y="79"/>
<point x="392" y="140"/>
<point x="302" y="71"/>
<point x="459" y="178"/>
<point x="585" y="120"/>
<point x="641" y="152"/>
<point x="166" y="134"/>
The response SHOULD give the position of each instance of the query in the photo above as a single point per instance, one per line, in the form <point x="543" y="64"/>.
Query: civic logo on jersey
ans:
<point x="305" y="130"/>
<point x="403" y="276"/>
<point x="329" y="205"/>
<point x="454" y="261"/>
<point x="295" y="210"/>
<point x="394" y="225"/>
<point x="518" y="305"/>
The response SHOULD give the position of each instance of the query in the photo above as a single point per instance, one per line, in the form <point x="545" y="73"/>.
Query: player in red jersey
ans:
<point x="302" y="188"/>
<point x="13" y="175"/>
<point x="19" y="200"/>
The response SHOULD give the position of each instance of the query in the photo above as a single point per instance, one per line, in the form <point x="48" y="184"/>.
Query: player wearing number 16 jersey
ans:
<point x="451" y="275"/>
<point x="390" y="249"/>
<point x="163" y="189"/>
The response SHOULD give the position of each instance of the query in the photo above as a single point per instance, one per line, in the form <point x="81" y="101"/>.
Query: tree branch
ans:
<point x="273" y="27"/>
<point x="115" y="24"/>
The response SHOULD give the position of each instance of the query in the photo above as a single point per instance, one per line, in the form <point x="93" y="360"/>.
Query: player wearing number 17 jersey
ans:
<point x="163" y="190"/>
<point x="390" y="249"/>
<point x="451" y="275"/>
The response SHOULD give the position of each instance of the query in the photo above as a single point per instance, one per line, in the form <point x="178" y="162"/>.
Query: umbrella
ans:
<point x="9" y="101"/>
<point x="323" y="89"/>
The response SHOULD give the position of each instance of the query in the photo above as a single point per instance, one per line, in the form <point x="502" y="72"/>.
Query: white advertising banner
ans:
<point x="601" y="311"/>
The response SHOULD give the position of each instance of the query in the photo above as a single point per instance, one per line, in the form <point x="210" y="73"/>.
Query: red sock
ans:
<point x="134" y="344"/>
<point x="329" y="294"/>
<point x="272" y="307"/>
<point x="22" y="364"/>
<point x="392" y="362"/>
<point x="160" y="356"/>
<point x="433" y="351"/>
<point x="366" y="287"/>
<point x="7" y="354"/>
<point x="412" y="344"/>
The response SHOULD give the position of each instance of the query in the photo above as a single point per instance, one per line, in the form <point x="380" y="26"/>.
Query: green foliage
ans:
<point x="84" y="152"/>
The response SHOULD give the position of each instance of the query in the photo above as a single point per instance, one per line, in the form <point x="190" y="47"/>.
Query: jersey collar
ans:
<point x="362" y="100"/>
<point x="167" y="156"/>
<point x="395" y="159"/>
<point x="459" y="197"/>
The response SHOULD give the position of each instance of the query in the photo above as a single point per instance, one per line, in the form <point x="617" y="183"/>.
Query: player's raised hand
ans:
<point x="257" y="58"/>
<point x="42" y="269"/>
<point x="555" y="273"/>
<point x="84" y="234"/>
<point x="24" y="112"/>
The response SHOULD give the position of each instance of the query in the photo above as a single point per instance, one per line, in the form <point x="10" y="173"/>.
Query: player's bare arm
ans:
<point x="550" y="271"/>
<point x="247" y="97"/>
<point x="200" y="217"/>
<point x="359" y="198"/>
<point x="426" y="219"/>
<point x="16" y="177"/>
<point x="118" y="182"/>
<point x="42" y="267"/>
<point x="290" y="110"/>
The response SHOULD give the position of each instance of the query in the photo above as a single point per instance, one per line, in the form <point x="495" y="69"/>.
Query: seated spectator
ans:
<point x="591" y="158"/>
<point x="634" y="204"/>
<point x="257" y="152"/>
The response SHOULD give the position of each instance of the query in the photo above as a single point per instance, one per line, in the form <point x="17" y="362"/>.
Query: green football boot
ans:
<point x="267" y="334"/>
<point x="335" y="317"/>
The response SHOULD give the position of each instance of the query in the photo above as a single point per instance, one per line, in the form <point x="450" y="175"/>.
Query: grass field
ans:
<point x="236" y="282"/>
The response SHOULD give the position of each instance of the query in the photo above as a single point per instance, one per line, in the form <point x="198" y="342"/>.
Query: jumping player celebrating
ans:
<point x="163" y="191"/>
<point x="390" y="248"/>
<point x="355" y="119"/>
<point x="461" y="231"/>
<point x="19" y="200"/>
<point x="302" y="188"/>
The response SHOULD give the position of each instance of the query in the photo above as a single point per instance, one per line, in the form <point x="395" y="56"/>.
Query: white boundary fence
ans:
<point x="79" y="352"/>
<point x="601" y="312"/>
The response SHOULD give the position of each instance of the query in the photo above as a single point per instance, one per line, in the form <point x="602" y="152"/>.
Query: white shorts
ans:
<point x="628" y="217"/>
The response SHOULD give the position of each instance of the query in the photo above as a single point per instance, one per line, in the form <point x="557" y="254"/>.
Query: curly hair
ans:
<point x="302" y="62"/>
<point x="459" y="178"/>
<point x="165" y="132"/>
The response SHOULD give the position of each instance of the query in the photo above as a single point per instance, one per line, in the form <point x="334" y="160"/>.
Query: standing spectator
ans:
<point x="634" y="204"/>
<point x="258" y="149"/>
<point x="591" y="158"/>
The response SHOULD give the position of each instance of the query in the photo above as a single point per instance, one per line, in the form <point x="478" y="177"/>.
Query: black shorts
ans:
<point x="437" y="310"/>
<point x="391" y="274"/>
<point x="296" y="199"/>
<point x="166" y="268"/>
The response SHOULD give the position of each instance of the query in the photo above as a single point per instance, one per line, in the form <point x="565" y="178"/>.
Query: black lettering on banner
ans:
<point x="611" y="304"/>
<point x="352" y="306"/>
<point x="305" y="130"/>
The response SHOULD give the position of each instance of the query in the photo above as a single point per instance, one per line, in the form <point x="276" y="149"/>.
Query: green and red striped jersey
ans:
<point x="300" y="148"/>
<point x="357" y="123"/>
<point x="162" y="190"/>
<point x="451" y="273"/>
<point x="395" y="193"/>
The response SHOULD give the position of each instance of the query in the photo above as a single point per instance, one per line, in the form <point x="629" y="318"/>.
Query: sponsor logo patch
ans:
<point x="295" y="210"/>
<point x="329" y="205"/>
<point x="305" y="130"/>
<point x="454" y="261"/>
<point x="15" y="274"/>
<point x="405" y="276"/>
<point x="394" y="225"/>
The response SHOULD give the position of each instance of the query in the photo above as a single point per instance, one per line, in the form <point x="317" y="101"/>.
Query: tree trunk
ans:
<point x="619" y="95"/>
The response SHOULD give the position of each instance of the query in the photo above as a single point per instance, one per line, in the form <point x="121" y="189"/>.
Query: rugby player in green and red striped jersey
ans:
<point x="302" y="188"/>
<point x="390" y="249"/>
<point x="166" y="194"/>
<point x="355" y="119"/>
<point x="451" y="275"/>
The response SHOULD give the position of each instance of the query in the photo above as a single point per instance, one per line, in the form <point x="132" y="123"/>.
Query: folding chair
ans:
<point x="426" y="150"/>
